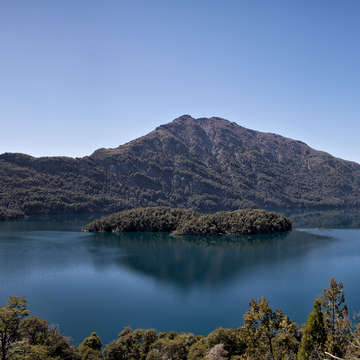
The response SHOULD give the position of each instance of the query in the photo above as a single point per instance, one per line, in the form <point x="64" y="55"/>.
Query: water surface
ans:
<point x="102" y="282"/>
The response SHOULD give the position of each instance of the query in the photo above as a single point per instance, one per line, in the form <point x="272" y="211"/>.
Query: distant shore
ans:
<point x="10" y="214"/>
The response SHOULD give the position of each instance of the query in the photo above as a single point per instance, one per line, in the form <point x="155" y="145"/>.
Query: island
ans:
<point x="188" y="222"/>
<point x="152" y="219"/>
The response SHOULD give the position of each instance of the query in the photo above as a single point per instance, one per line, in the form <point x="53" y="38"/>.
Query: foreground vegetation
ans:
<point x="265" y="334"/>
<point x="187" y="222"/>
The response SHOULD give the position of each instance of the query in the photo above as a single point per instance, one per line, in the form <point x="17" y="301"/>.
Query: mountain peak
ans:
<point x="187" y="117"/>
<point x="214" y="122"/>
<point x="204" y="163"/>
<point x="183" y="118"/>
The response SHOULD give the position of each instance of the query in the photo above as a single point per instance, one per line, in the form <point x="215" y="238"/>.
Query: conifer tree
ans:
<point x="336" y="318"/>
<point x="314" y="337"/>
<point x="268" y="334"/>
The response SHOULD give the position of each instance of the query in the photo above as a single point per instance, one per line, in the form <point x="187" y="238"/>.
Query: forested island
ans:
<point x="264" y="334"/>
<point x="188" y="222"/>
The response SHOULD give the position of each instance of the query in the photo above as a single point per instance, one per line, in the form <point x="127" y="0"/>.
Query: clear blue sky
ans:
<point x="79" y="75"/>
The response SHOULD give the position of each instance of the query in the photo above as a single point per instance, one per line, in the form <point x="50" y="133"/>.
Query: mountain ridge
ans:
<point x="206" y="164"/>
<point x="160" y="127"/>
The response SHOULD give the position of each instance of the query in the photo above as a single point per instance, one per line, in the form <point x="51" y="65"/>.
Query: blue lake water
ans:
<point x="102" y="282"/>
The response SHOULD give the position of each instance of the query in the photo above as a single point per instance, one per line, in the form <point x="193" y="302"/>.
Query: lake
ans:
<point x="103" y="282"/>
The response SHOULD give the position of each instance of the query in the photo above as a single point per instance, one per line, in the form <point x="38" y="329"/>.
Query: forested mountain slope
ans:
<point x="206" y="164"/>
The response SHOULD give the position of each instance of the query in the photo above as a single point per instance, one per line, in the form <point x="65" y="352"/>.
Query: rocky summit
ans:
<point x="205" y="164"/>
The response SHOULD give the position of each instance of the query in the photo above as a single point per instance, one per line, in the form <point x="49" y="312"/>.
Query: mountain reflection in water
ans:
<point x="196" y="260"/>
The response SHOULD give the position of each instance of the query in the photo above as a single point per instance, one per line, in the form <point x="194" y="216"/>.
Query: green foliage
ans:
<point x="41" y="340"/>
<point x="187" y="222"/>
<point x="314" y="336"/>
<point x="143" y="219"/>
<point x="34" y="330"/>
<point x="353" y="348"/>
<point x="235" y="222"/>
<point x="232" y="340"/>
<point x="24" y="351"/>
<point x="336" y="318"/>
<point x="174" y="347"/>
<point x="90" y="348"/>
<point x="10" y="317"/>
<point x="131" y="345"/>
<point x="198" y="350"/>
<point x="269" y="334"/>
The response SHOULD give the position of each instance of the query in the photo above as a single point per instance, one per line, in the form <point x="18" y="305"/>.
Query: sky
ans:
<point x="80" y="75"/>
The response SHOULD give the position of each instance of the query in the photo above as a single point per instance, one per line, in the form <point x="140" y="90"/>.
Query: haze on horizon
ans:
<point x="77" y="76"/>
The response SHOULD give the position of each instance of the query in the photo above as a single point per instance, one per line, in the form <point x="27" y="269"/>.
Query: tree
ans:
<point x="268" y="334"/>
<point x="287" y="340"/>
<point x="40" y="339"/>
<point x="353" y="350"/>
<point x="314" y="336"/>
<point x="336" y="318"/>
<point x="131" y="344"/>
<point x="172" y="347"/>
<point x="231" y="339"/>
<point x="199" y="349"/>
<point x="10" y="318"/>
<point x="90" y="348"/>
<point x="261" y="323"/>
<point x="34" y="330"/>
<point x="24" y="351"/>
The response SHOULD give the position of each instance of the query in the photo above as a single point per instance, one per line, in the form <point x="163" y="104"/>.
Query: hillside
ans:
<point x="205" y="164"/>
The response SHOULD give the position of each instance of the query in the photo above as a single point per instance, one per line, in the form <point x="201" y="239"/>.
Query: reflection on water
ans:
<point x="102" y="282"/>
<point x="194" y="260"/>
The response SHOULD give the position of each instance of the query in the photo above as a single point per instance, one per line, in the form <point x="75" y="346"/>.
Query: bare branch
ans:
<point x="338" y="358"/>
<point x="354" y="345"/>
<point x="333" y="356"/>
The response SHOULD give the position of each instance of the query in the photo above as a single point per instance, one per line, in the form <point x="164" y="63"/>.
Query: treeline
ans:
<point x="154" y="219"/>
<point x="10" y="214"/>
<point x="246" y="221"/>
<point x="265" y="334"/>
<point x="187" y="222"/>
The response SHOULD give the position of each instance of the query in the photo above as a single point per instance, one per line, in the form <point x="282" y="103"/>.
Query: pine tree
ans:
<point x="314" y="337"/>
<point x="262" y="327"/>
<point x="336" y="318"/>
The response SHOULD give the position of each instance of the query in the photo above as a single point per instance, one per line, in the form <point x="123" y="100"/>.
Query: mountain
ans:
<point x="205" y="164"/>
